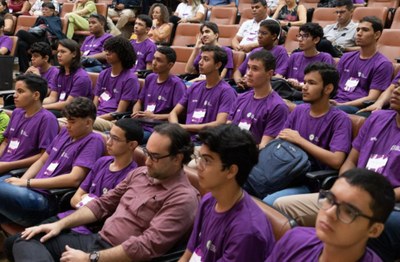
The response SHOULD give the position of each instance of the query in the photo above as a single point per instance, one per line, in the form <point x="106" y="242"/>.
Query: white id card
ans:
<point x="244" y="125"/>
<point x="351" y="84"/>
<point x="105" y="96"/>
<point x="377" y="163"/>
<point x="151" y="107"/>
<point x="62" y="96"/>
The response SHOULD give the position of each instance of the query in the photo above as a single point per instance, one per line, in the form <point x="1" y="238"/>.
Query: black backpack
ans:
<point x="285" y="90"/>
<point x="280" y="163"/>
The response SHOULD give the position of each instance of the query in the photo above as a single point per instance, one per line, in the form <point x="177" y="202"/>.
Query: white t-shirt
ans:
<point x="249" y="31"/>
<point x="185" y="11"/>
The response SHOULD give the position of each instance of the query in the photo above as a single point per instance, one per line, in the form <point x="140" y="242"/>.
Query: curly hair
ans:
<point x="124" y="50"/>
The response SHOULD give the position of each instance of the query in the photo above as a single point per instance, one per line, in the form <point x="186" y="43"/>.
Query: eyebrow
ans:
<point x="206" y="155"/>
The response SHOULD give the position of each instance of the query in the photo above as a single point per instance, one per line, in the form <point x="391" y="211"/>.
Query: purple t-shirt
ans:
<point x="281" y="60"/>
<point x="378" y="144"/>
<point x="6" y="41"/>
<point x="75" y="84"/>
<point x="358" y="76"/>
<point x="302" y="244"/>
<point x="242" y="233"/>
<point x="262" y="117"/>
<point x="396" y="79"/>
<point x="92" y="45"/>
<point x="161" y="98"/>
<point x="298" y="62"/>
<point x="204" y="104"/>
<point x="228" y="66"/>
<point x="27" y="136"/>
<point x="144" y="53"/>
<point x="49" y="75"/>
<point x="65" y="153"/>
<point x="331" y="131"/>
<point x="111" y="90"/>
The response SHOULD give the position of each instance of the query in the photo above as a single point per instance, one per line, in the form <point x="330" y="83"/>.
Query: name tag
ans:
<point x="198" y="116"/>
<point x="377" y="163"/>
<point x="245" y="125"/>
<point x="105" y="96"/>
<point x="351" y="84"/>
<point x="86" y="52"/>
<point x="85" y="200"/>
<point x="51" y="168"/>
<point x="62" y="96"/>
<point x="195" y="256"/>
<point x="151" y="107"/>
<point x="13" y="146"/>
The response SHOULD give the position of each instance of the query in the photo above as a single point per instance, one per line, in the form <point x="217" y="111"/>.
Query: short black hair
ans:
<point x="273" y="26"/>
<point x="43" y="49"/>
<point x="213" y="26"/>
<point x="181" y="142"/>
<point x="80" y="107"/>
<point x="314" y="29"/>
<point x="263" y="2"/>
<point x="267" y="59"/>
<point x="34" y="83"/>
<point x="124" y="50"/>
<point x="74" y="47"/>
<point x="49" y="5"/>
<point x="132" y="128"/>
<point x="329" y="74"/>
<point x="234" y="146"/>
<point x="146" y="19"/>
<point x="102" y="20"/>
<point x="377" y="186"/>
<point x="219" y="55"/>
<point x="376" y="23"/>
<point x="169" y="53"/>
<point x="348" y="3"/>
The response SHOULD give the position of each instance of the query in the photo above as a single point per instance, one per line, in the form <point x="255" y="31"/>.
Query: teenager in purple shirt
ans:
<point x="144" y="47"/>
<point x="66" y="162"/>
<point x="93" y="55"/>
<point x="352" y="211"/>
<point x="41" y="53"/>
<point x="6" y="42"/>
<point x="364" y="74"/>
<point x="261" y="110"/>
<point x="268" y="34"/>
<point x="71" y="81"/>
<point x="209" y="34"/>
<point x="31" y="128"/>
<point x="309" y="36"/>
<point x="117" y="87"/>
<point x="207" y="102"/>
<point x="161" y="92"/>
<point x="229" y="225"/>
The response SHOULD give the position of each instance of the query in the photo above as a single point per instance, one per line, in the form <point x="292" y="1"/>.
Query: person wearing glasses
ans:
<point x="352" y="212"/>
<point x="229" y="225"/>
<point x="145" y="215"/>
<point x="309" y="36"/>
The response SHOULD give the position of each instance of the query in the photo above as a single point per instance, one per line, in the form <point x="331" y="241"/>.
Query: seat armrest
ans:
<point x="120" y="115"/>
<point x="61" y="191"/>
<point x="321" y="174"/>
<point x="397" y="207"/>
<point x="18" y="172"/>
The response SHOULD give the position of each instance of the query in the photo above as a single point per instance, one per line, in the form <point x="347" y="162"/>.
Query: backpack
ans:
<point x="280" y="163"/>
<point x="285" y="90"/>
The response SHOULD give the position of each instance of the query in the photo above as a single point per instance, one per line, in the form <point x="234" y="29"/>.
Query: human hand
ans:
<point x="74" y="255"/>
<point x="50" y="230"/>
<point x="290" y="135"/>
<point x="16" y="181"/>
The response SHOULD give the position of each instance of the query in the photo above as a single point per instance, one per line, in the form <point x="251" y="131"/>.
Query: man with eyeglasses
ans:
<point x="146" y="214"/>
<point x="229" y="225"/>
<point x="353" y="211"/>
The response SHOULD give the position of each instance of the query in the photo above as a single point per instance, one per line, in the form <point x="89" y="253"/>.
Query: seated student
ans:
<point x="108" y="171"/>
<point x="71" y="81"/>
<point x="147" y="213"/>
<point x="41" y="53"/>
<point x="144" y="47"/>
<point x="6" y="42"/>
<point x="209" y="34"/>
<point x="229" y="225"/>
<point x="208" y="102"/>
<point x="364" y="74"/>
<point x="309" y="36"/>
<point x="31" y="128"/>
<point x="321" y="130"/>
<point x="161" y="91"/>
<point x="260" y="110"/>
<point x="65" y="163"/>
<point x="268" y="33"/>
<point x="363" y="201"/>
<point x="117" y="87"/>
<point x="93" y="55"/>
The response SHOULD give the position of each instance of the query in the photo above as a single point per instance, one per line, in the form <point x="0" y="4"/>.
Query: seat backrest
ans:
<point x="14" y="46"/>
<point x="389" y="43"/>
<point x="102" y="9"/>
<point x="107" y="2"/>
<point x="64" y="25"/>
<point x="396" y="20"/>
<point x="324" y="16"/>
<point x="245" y="15"/>
<point x="93" y="77"/>
<point x="380" y="12"/>
<point x="291" y="42"/>
<point x="383" y="3"/>
<point x="25" y="22"/>
<point x="223" y="15"/>
<point x="66" y="8"/>
<point x="182" y="56"/>
<point x="238" y="58"/>
<point x="356" y="124"/>
<point x="309" y="3"/>
<point x="243" y="5"/>
<point x="226" y="34"/>
<point x="139" y="156"/>
<point x="186" y="34"/>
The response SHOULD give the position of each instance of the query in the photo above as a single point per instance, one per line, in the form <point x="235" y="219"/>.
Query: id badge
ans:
<point x="62" y="96"/>
<point x="198" y="116"/>
<point x="151" y="107"/>
<point x="86" y="52"/>
<point x="105" y="96"/>
<point x="51" y="168"/>
<point x="196" y="257"/>
<point x="85" y="200"/>
<point x="245" y="125"/>
<point x="351" y="84"/>
<point x="377" y="163"/>
<point x="13" y="146"/>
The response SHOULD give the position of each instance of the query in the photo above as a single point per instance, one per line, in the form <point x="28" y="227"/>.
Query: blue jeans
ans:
<point x="22" y="205"/>
<point x="349" y="109"/>
<point x="270" y="199"/>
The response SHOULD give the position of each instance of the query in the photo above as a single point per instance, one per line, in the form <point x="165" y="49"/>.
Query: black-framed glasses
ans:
<point x="344" y="212"/>
<point x="153" y="156"/>
<point x="302" y="36"/>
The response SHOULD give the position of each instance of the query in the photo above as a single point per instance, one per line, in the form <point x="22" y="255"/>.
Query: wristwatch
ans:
<point x="94" y="256"/>
<point x="289" y="24"/>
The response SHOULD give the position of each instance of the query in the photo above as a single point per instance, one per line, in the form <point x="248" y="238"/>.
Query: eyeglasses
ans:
<point x="344" y="212"/>
<point x="201" y="161"/>
<point x="115" y="139"/>
<point x="302" y="36"/>
<point x="153" y="156"/>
